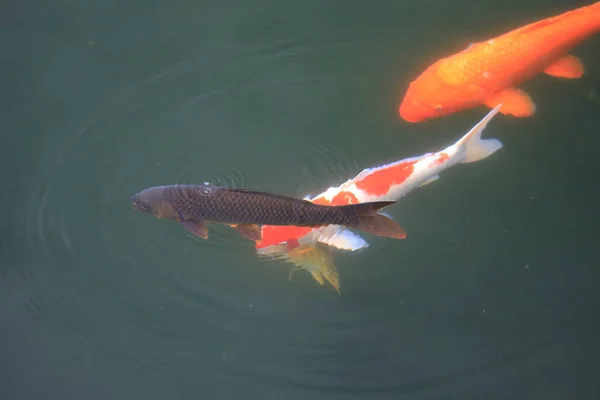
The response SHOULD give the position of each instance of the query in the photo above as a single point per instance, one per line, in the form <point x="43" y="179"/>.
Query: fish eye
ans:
<point x="144" y="206"/>
<point x="206" y="191"/>
<point x="438" y="107"/>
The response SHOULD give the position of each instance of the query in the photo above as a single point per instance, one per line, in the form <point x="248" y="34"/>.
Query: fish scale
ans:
<point x="193" y="206"/>
<point x="246" y="206"/>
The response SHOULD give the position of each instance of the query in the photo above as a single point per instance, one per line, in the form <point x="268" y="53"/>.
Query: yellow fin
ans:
<point x="317" y="259"/>
<point x="514" y="101"/>
<point x="569" y="67"/>
<point x="318" y="277"/>
<point x="429" y="180"/>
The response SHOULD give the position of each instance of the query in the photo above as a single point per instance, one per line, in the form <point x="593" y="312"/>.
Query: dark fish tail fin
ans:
<point x="369" y="220"/>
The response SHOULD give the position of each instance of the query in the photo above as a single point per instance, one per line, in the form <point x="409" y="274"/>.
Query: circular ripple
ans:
<point x="323" y="166"/>
<point x="227" y="175"/>
<point x="72" y="228"/>
<point x="68" y="219"/>
<point x="96" y="269"/>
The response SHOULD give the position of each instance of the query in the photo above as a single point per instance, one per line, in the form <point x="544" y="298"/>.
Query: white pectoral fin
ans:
<point x="475" y="148"/>
<point x="341" y="238"/>
<point x="429" y="180"/>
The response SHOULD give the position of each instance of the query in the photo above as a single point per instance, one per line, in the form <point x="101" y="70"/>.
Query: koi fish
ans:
<point x="389" y="182"/>
<point x="488" y="73"/>
<point x="193" y="206"/>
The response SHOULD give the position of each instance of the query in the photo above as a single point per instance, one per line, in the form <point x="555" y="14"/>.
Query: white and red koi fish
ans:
<point x="388" y="182"/>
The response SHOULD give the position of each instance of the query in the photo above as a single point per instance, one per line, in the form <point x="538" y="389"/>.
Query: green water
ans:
<point x="492" y="295"/>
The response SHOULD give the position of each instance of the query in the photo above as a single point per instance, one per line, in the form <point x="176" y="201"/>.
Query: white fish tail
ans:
<point x="473" y="147"/>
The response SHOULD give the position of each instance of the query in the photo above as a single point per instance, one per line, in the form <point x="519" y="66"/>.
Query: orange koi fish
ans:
<point x="488" y="73"/>
<point x="310" y="248"/>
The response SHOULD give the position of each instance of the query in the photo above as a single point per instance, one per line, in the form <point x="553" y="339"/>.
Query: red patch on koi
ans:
<point x="321" y="201"/>
<point x="441" y="158"/>
<point x="344" y="198"/>
<point x="379" y="182"/>
<point x="272" y="235"/>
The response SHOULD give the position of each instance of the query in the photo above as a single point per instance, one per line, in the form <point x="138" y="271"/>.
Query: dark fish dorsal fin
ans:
<point x="240" y="190"/>
<point x="272" y="195"/>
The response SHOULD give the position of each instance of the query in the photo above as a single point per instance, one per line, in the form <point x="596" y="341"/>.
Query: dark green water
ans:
<point x="492" y="295"/>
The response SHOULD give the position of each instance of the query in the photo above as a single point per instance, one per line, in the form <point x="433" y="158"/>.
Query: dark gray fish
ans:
<point x="193" y="206"/>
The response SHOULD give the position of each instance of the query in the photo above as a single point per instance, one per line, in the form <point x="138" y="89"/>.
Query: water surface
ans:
<point x="492" y="295"/>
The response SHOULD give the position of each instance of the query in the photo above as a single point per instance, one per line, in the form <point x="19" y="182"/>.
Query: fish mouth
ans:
<point x="413" y="120"/>
<point x="408" y="118"/>
<point x="404" y="111"/>
<point x="134" y="201"/>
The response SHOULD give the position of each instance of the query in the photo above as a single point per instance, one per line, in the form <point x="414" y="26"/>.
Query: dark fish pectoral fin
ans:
<point x="249" y="231"/>
<point x="197" y="228"/>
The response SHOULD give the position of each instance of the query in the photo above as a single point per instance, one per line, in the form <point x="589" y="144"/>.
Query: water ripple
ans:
<point x="91" y="262"/>
<point x="60" y="214"/>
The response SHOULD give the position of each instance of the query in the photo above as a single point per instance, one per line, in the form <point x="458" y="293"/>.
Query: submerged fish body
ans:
<point x="193" y="206"/>
<point x="389" y="182"/>
<point x="489" y="72"/>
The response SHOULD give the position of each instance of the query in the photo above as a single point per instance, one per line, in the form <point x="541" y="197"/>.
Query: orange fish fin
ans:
<point x="567" y="67"/>
<point x="249" y="231"/>
<point x="514" y="101"/>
